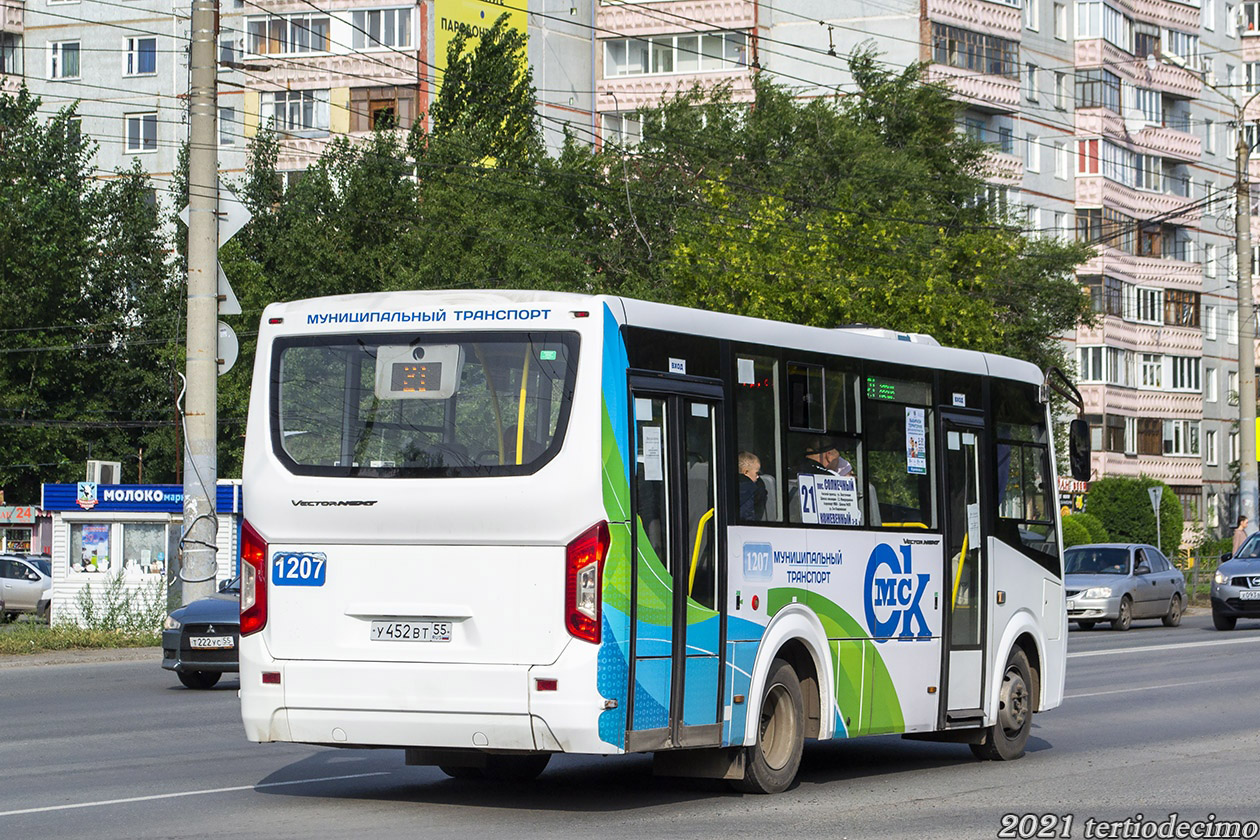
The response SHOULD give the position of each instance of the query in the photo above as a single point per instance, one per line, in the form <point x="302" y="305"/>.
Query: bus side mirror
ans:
<point x="1078" y="449"/>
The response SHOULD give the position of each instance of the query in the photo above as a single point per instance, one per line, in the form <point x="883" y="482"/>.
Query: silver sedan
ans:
<point x="1119" y="582"/>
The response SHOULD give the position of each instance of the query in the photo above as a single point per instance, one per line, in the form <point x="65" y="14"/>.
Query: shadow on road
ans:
<point x="614" y="783"/>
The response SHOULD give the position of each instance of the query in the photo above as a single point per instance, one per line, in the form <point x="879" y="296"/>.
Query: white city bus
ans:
<point x="486" y="527"/>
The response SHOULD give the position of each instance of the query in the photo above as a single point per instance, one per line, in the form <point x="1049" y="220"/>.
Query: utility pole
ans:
<point x="199" y="561"/>
<point x="1247" y="478"/>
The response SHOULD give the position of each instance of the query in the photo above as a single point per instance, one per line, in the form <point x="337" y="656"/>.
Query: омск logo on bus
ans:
<point x="893" y="595"/>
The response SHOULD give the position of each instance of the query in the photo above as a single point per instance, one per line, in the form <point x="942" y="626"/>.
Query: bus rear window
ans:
<point x="421" y="405"/>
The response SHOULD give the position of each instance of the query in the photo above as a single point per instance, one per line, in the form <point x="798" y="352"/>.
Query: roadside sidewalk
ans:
<point x="82" y="657"/>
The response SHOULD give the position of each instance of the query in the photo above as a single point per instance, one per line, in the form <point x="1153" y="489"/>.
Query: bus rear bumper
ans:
<point x="489" y="707"/>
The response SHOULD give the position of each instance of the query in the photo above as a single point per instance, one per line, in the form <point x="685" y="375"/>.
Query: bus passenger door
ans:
<point x="965" y="561"/>
<point x="678" y="628"/>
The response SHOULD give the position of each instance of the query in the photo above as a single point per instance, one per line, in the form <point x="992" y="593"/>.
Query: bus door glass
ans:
<point x="678" y="526"/>
<point x="965" y="544"/>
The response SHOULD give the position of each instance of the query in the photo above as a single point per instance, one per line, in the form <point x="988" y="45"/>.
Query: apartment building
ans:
<point x="1109" y="120"/>
<point x="316" y="70"/>
<point x="126" y="67"/>
<point x="11" y="51"/>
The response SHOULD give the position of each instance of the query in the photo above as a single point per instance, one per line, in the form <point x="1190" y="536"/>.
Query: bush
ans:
<point x="1097" y="533"/>
<point x="1124" y="508"/>
<point x="1074" y="533"/>
<point x="111" y="607"/>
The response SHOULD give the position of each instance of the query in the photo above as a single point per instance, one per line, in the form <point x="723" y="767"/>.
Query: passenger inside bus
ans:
<point x="752" y="490"/>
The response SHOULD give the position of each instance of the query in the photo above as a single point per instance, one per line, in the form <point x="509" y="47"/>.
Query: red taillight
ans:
<point x="253" y="580"/>
<point x="583" y="576"/>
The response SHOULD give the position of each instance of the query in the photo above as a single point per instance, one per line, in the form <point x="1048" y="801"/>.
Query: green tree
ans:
<point x="89" y="311"/>
<point x="1097" y="533"/>
<point x="1123" y="506"/>
<point x="1075" y="532"/>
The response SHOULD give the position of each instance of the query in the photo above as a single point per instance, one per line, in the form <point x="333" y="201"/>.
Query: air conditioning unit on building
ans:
<point x="104" y="472"/>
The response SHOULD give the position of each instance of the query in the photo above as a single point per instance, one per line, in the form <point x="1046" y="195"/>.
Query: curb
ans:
<point x="81" y="657"/>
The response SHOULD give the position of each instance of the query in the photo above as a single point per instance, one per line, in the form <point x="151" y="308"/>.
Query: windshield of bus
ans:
<point x="422" y="404"/>
<point x="1096" y="561"/>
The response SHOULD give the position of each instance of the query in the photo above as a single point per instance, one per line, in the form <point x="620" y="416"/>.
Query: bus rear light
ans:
<point x="253" y="580"/>
<point x="545" y="684"/>
<point x="584" y="568"/>
<point x="271" y="677"/>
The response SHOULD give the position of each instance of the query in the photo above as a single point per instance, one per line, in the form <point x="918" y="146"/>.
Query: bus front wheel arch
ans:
<point x="771" y="763"/>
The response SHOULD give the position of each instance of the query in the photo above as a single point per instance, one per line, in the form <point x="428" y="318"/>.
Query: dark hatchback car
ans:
<point x="1236" y="586"/>
<point x="200" y="640"/>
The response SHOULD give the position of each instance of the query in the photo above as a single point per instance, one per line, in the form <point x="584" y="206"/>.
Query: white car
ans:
<point x="25" y="585"/>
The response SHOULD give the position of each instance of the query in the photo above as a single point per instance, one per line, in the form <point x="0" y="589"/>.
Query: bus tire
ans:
<point x="1006" y="738"/>
<point x="771" y="763"/>
<point x="515" y="768"/>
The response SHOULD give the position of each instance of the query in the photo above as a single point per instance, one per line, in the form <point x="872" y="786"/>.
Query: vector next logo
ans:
<point x="894" y="595"/>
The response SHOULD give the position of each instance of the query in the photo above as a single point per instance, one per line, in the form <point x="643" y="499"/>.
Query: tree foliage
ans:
<point x="90" y="314"/>
<point x="1123" y="506"/>
<point x="869" y="208"/>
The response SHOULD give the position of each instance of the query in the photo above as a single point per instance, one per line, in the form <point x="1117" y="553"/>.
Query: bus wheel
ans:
<point x="1005" y="740"/>
<point x="771" y="763"/>
<point x="516" y="768"/>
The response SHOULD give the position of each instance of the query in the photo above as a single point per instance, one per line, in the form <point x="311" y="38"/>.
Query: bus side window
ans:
<point x="900" y="439"/>
<point x="757" y="437"/>
<point x="1026" y="495"/>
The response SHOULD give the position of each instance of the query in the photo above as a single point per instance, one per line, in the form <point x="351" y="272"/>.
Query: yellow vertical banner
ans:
<point x="472" y="17"/>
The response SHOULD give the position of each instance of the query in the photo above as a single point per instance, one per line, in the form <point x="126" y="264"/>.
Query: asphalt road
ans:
<point x="1156" y="721"/>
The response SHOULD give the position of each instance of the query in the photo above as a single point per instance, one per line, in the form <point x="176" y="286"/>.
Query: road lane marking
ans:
<point x="1146" y="688"/>
<point x="186" y="793"/>
<point x="1177" y="646"/>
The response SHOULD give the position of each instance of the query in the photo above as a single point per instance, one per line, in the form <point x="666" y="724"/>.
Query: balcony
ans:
<point x="1169" y="142"/>
<point x="981" y="91"/>
<point x="10" y="16"/>
<point x="1095" y="191"/>
<point x="629" y="93"/>
<point x="1168" y="15"/>
<point x="1003" y="168"/>
<point x="978" y="16"/>
<point x="1166" y="78"/>
<point x="1170" y="470"/>
<point x="635" y="20"/>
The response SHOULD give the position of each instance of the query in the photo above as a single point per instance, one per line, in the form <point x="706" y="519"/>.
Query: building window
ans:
<point x="1030" y="82"/>
<point x="1095" y="19"/>
<point x="1152" y="370"/>
<point x="1098" y="88"/>
<point x="381" y="28"/>
<point x="1181" y="44"/>
<point x="10" y="54"/>
<point x="1250" y="19"/>
<point x="63" y="60"/>
<point x="623" y="129"/>
<point x="1113" y="433"/>
<point x="1150" y="306"/>
<point x="975" y="51"/>
<point x="1106" y="294"/>
<point x="288" y="34"/>
<point x="1062" y="160"/>
<point x="1209" y="322"/>
<point x="1209" y="14"/>
<point x="1181" y="437"/>
<point x="1185" y="373"/>
<point x="1087" y="156"/>
<point x="1090" y="364"/>
<point x="1108" y="227"/>
<point x="1231" y="329"/>
<point x="1233" y="446"/>
<point x="1061" y="91"/>
<point x="141" y="56"/>
<point x="1209" y="448"/>
<point x="1032" y="14"/>
<point x="1146" y="38"/>
<point x="1032" y="153"/>
<point x="229" y="52"/>
<point x="1188" y="496"/>
<point x="1060" y="21"/>
<point x="1181" y="308"/>
<point x="381" y="108"/>
<point x="141" y="133"/>
<point x="1150" y="102"/>
<point x="1209" y="385"/>
<point x="227" y="126"/>
<point x="1130" y="436"/>
<point x="1150" y="436"/>
<point x="297" y="110"/>
<point x="662" y="54"/>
